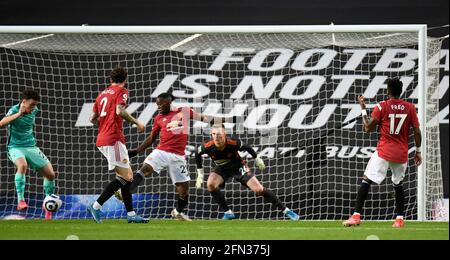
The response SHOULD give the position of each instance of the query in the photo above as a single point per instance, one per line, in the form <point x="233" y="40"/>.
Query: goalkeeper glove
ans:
<point x="260" y="163"/>
<point x="132" y="153"/>
<point x="200" y="175"/>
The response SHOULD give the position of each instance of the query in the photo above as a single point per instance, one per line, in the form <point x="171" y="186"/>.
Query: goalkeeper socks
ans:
<point x="270" y="197"/>
<point x="181" y="204"/>
<point x="137" y="179"/>
<point x="49" y="187"/>
<point x="112" y="187"/>
<point x="363" y="191"/>
<point x="399" y="199"/>
<point x="127" y="199"/>
<point x="20" y="179"/>
<point x="219" y="198"/>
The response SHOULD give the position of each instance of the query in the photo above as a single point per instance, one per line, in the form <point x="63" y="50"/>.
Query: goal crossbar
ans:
<point x="215" y="29"/>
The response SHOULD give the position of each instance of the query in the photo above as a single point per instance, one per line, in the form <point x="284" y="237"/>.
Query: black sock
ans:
<point x="362" y="196"/>
<point x="219" y="198"/>
<point x="270" y="197"/>
<point x="138" y="177"/>
<point x="399" y="199"/>
<point x="127" y="199"/>
<point x="109" y="190"/>
<point x="181" y="204"/>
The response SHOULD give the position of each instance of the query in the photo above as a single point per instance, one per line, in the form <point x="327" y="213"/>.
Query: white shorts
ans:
<point x="175" y="164"/>
<point x="377" y="168"/>
<point x="117" y="155"/>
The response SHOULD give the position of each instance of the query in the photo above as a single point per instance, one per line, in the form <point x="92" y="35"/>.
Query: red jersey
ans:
<point x="395" y="118"/>
<point x="173" y="138"/>
<point x="110" y="125"/>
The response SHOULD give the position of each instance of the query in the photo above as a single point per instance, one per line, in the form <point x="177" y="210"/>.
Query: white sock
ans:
<point x="286" y="210"/>
<point x="356" y="213"/>
<point x="131" y="213"/>
<point x="399" y="217"/>
<point x="229" y="211"/>
<point x="96" y="205"/>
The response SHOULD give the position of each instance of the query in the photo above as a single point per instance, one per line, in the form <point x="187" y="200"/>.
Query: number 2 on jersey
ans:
<point x="103" y="103"/>
<point x="396" y="130"/>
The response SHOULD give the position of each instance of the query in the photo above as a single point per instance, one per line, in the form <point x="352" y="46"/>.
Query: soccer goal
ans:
<point x="294" y="87"/>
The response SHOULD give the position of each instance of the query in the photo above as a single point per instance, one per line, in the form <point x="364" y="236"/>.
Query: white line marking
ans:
<point x="384" y="36"/>
<point x="188" y="39"/>
<point x="324" y="228"/>
<point x="72" y="237"/>
<point x="27" y="40"/>
<point x="372" y="237"/>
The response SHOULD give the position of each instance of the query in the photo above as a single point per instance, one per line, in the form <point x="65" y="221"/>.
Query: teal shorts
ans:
<point x="33" y="155"/>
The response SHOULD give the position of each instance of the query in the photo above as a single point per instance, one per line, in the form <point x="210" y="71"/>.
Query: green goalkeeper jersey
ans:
<point x="21" y="130"/>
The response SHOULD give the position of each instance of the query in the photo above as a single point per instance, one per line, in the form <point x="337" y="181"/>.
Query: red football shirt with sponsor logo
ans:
<point x="173" y="138"/>
<point x="110" y="125"/>
<point x="395" y="118"/>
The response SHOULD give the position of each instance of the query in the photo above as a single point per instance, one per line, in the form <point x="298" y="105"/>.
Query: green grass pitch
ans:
<point x="221" y="230"/>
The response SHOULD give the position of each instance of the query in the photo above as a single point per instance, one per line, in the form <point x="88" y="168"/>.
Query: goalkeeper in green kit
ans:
<point x="22" y="149"/>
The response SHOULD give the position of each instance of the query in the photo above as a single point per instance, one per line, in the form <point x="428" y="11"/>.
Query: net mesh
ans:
<point x="297" y="94"/>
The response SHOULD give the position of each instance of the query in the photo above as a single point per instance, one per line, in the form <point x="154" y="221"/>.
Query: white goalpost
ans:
<point x="294" y="87"/>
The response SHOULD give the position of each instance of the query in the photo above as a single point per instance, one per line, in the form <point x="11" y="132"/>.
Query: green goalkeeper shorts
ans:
<point x="33" y="155"/>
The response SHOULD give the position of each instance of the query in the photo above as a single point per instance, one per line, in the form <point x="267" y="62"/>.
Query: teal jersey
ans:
<point x="21" y="130"/>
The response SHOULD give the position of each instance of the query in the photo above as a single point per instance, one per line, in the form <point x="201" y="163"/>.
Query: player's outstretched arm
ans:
<point x="147" y="143"/>
<point x="258" y="160"/>
<point x="94" y="118"/>
<point x="369" y="123"/>
<point x="418" y="140"/>
<point x="198" y="157"/>
<point x="248" y="149"/>
<point x="121" y="111"/>
<point x="9" y="119"/>
<point x="214" y="120"/>
<point x="200" y="172"/>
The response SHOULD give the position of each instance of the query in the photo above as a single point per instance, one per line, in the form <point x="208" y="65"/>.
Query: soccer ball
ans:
<point x="52" y="203"/>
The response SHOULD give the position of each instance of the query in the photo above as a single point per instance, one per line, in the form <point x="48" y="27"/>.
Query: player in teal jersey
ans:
<point x="22" y="149"/>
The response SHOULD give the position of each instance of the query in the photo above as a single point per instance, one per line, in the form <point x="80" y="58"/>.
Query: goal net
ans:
<point x="296" y="94"/>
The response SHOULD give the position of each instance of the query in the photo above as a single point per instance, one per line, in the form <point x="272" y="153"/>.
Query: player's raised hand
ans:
<point x="362" y="102"/>
<point x="417" y="159"/>
<point x="260" y="163"/>
<point x="22" y="108"/>
<point x="199" y="181"/>
<point x="132" y="153"/>
<point x="140" y="127"/>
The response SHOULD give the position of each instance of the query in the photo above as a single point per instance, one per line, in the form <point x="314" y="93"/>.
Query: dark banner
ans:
<point x="316" y="154"/>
